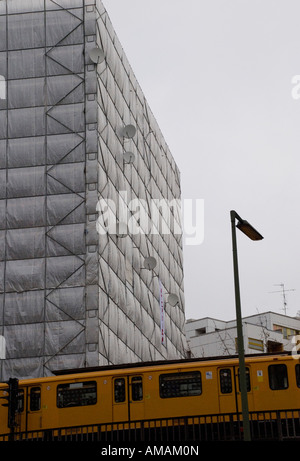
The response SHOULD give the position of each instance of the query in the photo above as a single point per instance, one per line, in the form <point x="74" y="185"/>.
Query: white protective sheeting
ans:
<point x="69" y="296"/>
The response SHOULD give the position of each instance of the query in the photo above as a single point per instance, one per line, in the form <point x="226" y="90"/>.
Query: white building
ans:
<point x="266" y="332"/>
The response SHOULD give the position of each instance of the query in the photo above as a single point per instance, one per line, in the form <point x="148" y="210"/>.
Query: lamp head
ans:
<point x="249" y="230"/>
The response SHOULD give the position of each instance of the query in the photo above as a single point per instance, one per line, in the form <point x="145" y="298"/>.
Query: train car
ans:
<point x="153" y="390"/>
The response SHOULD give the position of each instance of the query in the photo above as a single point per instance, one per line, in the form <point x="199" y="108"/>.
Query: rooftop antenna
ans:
<point x="283" y="291"/>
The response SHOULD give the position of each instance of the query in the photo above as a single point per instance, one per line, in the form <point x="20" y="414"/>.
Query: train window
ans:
<point x="119" y="390"/>
<point x="297" y="370"/>
<point x="136" y="388"/>
<point x="20" y="401"/>
<point x="225" y="381"/>
<point x="76" y="394"/>
<point x="278" y="378"/>
<point x="35" y="398"/>
<point x="180" y="384"/>
<point x="248" y="385"/>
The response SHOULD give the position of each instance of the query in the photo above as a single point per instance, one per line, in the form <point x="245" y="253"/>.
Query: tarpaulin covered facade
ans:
<point x="71" y="296"/>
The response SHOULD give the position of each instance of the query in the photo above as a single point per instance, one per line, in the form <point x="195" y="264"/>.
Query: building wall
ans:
<point x="210" y="337"/>
<point x="69" y="295"/>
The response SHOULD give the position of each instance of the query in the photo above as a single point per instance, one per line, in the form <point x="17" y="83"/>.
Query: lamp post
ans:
<point x="252" y="233"/>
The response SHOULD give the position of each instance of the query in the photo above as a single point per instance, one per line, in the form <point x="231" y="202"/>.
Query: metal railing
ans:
<point x="264" y="425"/>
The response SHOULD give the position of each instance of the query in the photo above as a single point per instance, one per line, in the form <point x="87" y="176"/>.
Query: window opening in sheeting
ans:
<point x="225" y="381"/>
<point x="278" y="377"/>
<point x="180" y="384"/>
<point x="76" y="394"/>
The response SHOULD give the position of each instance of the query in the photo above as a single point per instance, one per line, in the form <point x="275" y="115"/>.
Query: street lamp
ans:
<point x="252" y="233"/>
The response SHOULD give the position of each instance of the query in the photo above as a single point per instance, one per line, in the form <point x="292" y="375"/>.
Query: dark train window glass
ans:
<point x="119" y="390"/>
<point x="35" y="398"/>
<point x="297" y="370"/>
<point x="76" y="394"/>
<point x="225" y="381"/>
<point x="180" y="384"/>
<point x="20" y="401"/>
<point x="278" y="378"/>
<point x="136" y="388"/>
<point x="248" y="384"/>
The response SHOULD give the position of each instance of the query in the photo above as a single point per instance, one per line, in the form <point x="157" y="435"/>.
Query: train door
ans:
<point x="136" y="398"/>
<point x="31" y="415"/>
<point x="128" y="398"/>
<point x="227" y="390"/>
<point x="230" y="392"/>
<point x="120" y="399"/>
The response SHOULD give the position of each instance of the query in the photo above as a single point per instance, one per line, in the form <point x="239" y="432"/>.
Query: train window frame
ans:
<point x="297" y="373"/>
<point x="35" y="398"/>
<point x="248" y="379"/>
<point x="119" y="397"/>
<point x="222" y="382"/>
<point x="166" y="378"/>
<point x="72" y="387"/>
<point x="274" y="383"/>
<point x="20" y="401"/>
<point x="136" y="388"/>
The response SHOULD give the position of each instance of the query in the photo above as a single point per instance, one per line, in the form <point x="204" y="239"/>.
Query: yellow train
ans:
<point x="153" y="390"/>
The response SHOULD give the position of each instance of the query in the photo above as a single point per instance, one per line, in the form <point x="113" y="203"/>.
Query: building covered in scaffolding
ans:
<point x="76" y="133"/>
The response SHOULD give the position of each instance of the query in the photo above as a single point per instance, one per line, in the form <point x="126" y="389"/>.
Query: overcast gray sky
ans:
<point x="217" y="75"/>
